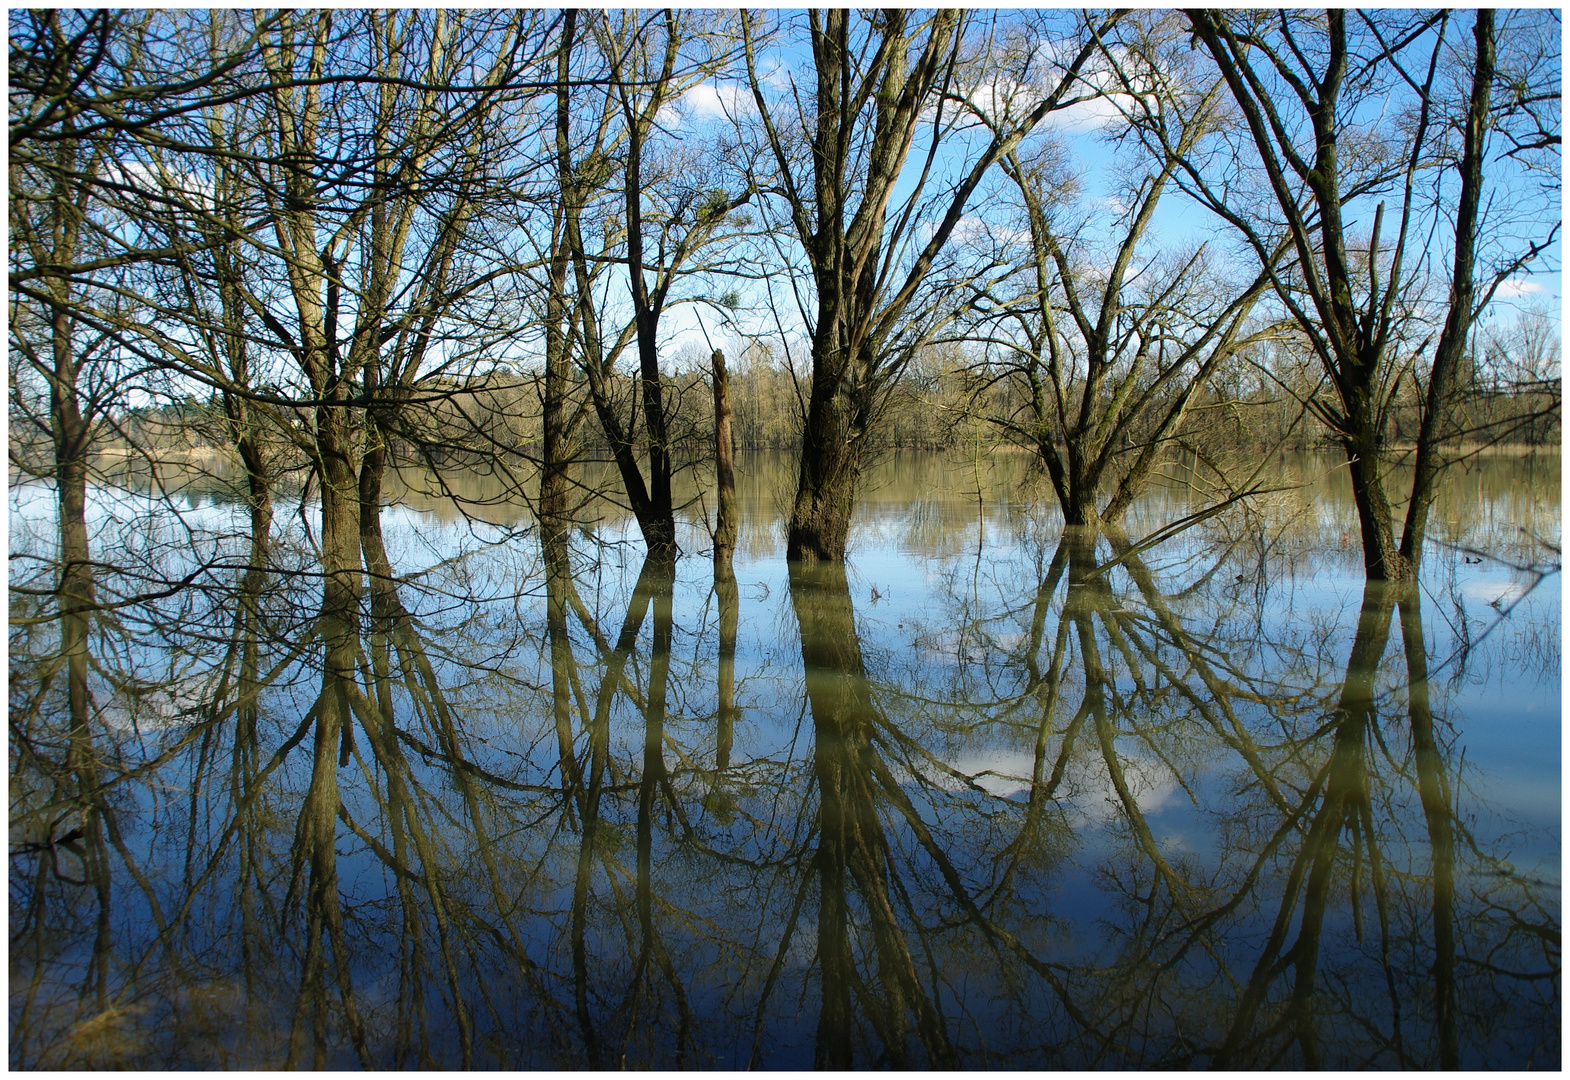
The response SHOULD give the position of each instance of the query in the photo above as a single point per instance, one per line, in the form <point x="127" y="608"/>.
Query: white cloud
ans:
<point x="1088" y="115"/>
<point x="774" y="74"/>
<point x="972" y="229"/>
<point x="1096" y="83"/>
<point x="707" y="101"/>
<point x="1116" y="204"/>
<point x="1514" y="287"/>
<point x="999" y="98"/>
<point x="140" y="176"/>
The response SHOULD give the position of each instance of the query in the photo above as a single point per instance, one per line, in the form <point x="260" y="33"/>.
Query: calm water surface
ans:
<point x="988" y="797"/>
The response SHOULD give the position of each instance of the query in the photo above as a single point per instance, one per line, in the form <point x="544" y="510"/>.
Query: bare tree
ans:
<point x="363" y="166"/>
<point x="67" y="377"/>
<point x="1105" y="344"/>
<point x="1299" y="82"/>
<point x="838" y="157"/>
<point x="674" y="227"/>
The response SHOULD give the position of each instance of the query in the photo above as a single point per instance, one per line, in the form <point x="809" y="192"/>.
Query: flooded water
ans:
<point x="989" y="796"/>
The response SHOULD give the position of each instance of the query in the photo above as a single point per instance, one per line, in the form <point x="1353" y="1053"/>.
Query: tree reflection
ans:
<point x="852" y="848"/>
<point x="1341" y="790"/>
<point x="1316" y="810"/>
<point x="1124" y="822"/>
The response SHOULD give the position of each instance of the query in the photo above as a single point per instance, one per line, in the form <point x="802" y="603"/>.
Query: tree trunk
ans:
<point x="341" y="560"/>
<point x="659" y="522"/>
<point x="725" y="717"/>
<point x="75" y="585"/>
<point x="316" y="835"/>
<point x="1382" y="560"/>
<point x="1079" y="511"/>
<point x="852" y="845"/>
<point x="725" y="529"/>
<point x="725" y="516"/>
<point x="1434" y="791"/>
<point x="385" y="608"/>
<point x="75" y="596"/>
<point x="1345" y="789"/>
<point x="554" y="554"/>
<point x="830" y="453"/>
<point x="340" y="612"/>
<point x="1451" y="351"/>
<point x="555" y="483"/>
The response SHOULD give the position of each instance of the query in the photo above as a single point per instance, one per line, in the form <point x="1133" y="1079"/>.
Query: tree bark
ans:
<point x="76" y="586"/>
<point x="726" y="711"/>
<point x="725" y="516"/>
<point x="1451" y="351"/>
<point x="725" y="531"/>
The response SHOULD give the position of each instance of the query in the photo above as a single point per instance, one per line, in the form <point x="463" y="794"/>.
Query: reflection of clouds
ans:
<point x="173" y="704"/>
<point x="1153" y="785"/>
<point x="725" y="884"/>
<point x="1150" y="782"/>
<point x="1000" y="773"/>
<point x="1494" y="592"/>
<point x="1007" y="641"/>
<point x="1089" y="796"/>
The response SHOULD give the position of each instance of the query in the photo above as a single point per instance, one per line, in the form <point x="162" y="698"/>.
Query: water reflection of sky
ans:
<point x="943" y="589"/>
<point x="916" y="566"/>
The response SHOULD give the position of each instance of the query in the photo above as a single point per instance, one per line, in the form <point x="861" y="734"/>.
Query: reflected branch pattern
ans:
<point x="1101" y="820"/>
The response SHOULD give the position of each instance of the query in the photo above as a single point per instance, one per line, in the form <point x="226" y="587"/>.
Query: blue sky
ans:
<point x="1084" y="131"/>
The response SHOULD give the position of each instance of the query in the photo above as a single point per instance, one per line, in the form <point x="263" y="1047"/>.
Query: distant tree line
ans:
<point x="448" y="234"/>
<point x="1507" y="397"/>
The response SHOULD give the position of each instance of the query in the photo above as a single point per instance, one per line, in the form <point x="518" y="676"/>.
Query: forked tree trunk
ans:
<point x="1353" y="343"/>
<point x="864" y="117"/>
<point x="845" y="246"/>
<point x="1382" y="559"/>
<point x="826" y="487"/>
<point x="1448" y="356"/>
